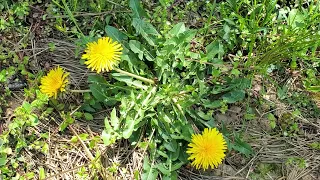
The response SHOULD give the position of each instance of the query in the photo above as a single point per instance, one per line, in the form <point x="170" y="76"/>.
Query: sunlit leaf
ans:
<point x="177" y="29"/>
<point x="129" y="126"/>
<point x="3" y="160"/>
<point x="146" y="29"/>
<point x="114" y="119"/>
<point x="42" y="174"/>
<point x="149" y="172"/>
<point x="136" y="48"/>
<point x="115" y="34"/>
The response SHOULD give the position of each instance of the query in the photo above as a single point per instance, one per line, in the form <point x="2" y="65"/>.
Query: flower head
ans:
<point x="56" y="80"/>
<point x="207" y="149"/>
<point x="102" y="55"/>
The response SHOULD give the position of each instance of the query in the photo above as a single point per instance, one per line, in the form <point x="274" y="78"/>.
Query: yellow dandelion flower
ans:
<point x="207" y="149"/>
<point x="102" y="55"/>
<point x="54" y="81"/>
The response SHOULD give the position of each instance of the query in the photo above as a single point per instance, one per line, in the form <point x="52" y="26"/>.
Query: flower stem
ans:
<point x="134" y="76"/>
<point x="80" y="90"/>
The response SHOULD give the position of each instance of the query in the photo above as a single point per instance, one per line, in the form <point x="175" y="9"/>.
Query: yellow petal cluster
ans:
<point x="207" y="149"/>
<point x="56" y="80"/>
<point x="102" y="55"/>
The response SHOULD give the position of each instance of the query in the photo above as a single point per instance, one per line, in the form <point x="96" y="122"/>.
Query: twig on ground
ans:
<point x="87" y="151"/>
<point x="251" y="161"/>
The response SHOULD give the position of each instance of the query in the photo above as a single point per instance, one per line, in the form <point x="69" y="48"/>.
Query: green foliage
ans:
<point x="297" y="161"/>
<point x="315" y="145"/>
<point x="15" y="138"/>
<point x="312" y="82"/>
<point x="149" y="172"/>
<point x="262" y="169"/>
<point x="298" y="39"/>
<point x="164" y="112"/>
<point x="12" y="62"/>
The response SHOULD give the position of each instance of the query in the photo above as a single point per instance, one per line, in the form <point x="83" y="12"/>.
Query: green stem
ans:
<point x="70" y="14"/>
<point x="80" y="90"/>
<point x="134" y="76"/>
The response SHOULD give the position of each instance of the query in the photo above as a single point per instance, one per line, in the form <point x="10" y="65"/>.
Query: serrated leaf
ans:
<point x="171" y="146"/>
<point x="115" y="34"/>
<point x="146" y="29"/>
<point x="34" y="120"/>
<point x="106" y="137"/>
<point x="114" y="119"/>
<point x="282" y="92"/>
<point x="163" y="169"/>
<point x="229" y="21"/>
<point x="107" y="124"/>
<point x="177" y="29"/>
<point x="138" y="12"/>
<point x="240" y="83"/>
<point x="148" y="171"/>
<point x="184" y="37"/>
<point x="234" y="96"/>
<point x="295" y="18"/>
<point x="128" y="128"/>
<point x="242" y="147"/>
<point x="213" y="49"/>
<point x="98" y="92"/>
<point x="135" y="46"/>
<point x="226" y="29"/>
